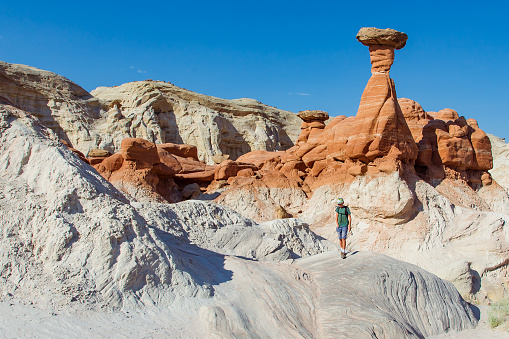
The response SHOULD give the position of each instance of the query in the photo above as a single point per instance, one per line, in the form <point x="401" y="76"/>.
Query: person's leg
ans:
<point x="342" y="243"/>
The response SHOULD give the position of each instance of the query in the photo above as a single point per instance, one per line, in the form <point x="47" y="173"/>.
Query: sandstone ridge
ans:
<point x="153" y="110"/>
<point x="83" y="246"/>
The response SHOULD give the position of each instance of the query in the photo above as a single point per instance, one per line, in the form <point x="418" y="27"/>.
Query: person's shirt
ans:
<point x="343" y="213"/>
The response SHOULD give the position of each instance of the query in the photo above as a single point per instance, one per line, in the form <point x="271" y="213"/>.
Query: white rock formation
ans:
<point x="366" y="296"/>
<point x="261" y="203"/>
<point x="76" y="229"/>
<point x="57" y="102"/>
<point x="162" y="112"/>
<point x="70" y="241"/>
<point x="153" y="110"/>
<point x="500" y="171"/>
<point x="413" y="221"/>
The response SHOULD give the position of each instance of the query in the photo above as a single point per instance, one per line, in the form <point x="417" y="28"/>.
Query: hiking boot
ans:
<point x="343" y="255"/>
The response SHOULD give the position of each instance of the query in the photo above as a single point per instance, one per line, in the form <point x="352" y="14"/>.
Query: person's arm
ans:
<point x="349" y="222"/>
<point x="337" y="218"/>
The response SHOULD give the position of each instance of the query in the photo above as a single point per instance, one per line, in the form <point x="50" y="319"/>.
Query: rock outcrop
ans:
<point x="377" y="140"/>
<point x="500" y="171"/>
<point x="379" y="123"/>
<point x="71" y="242"/>
<point x="153" y="110"/>
<point x="407" y="174"/>
<point x="163" y="113"/>
<point x="58" y="103"/>
<point x="158" y="173"/>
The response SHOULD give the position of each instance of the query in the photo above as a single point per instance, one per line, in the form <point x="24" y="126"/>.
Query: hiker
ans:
<point x="344" y="224"/>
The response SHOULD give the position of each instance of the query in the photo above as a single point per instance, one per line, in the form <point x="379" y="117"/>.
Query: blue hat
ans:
<point x="340" y="201"/>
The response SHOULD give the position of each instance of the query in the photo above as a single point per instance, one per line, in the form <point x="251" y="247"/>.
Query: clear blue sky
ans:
<point x="294" y="55"/>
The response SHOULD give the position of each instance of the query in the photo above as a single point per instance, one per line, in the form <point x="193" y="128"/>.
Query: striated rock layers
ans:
<point x="72" y="244"/>
<point x="158" y="173"/>
<point x="379" y="123"/>
<point x="153" y="110"/>
<point x="500" y="171"/>
<point x="386" y="135"/>
<point x="413" y="179"/>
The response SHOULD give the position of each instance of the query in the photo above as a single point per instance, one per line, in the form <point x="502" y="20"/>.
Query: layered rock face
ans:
<point x="408" y="176"/>
<point x="449" y="145"/>
<point x="387" y="135"/>
<point x="160" y="173"/>
<point x="163" y="113"/>
<point x="71" y="243"/>
<point x="377" y="140"/>
<point x="500" y="171"/>
<point x="153" y="110"/>
<point x="379" y="123"/>
<point x="61" y="105"/>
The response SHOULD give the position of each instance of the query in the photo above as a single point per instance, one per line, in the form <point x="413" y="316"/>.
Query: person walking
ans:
<point x="344" y="224"/>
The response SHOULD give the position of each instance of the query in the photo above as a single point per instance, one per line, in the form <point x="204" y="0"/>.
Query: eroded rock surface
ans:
<point x="370" y="36"/>
<point x="71" y="242"/>
<point x="500" y="171"/>
<point x="162" y="113"/>
<point x="420" y="175"/>
<point x="153" y="110"/>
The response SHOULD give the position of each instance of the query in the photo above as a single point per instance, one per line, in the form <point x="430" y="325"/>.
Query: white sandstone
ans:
<point x="71" y="245"/>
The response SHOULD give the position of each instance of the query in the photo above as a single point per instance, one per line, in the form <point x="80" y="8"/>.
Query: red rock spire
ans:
<point x="379" y="123"/>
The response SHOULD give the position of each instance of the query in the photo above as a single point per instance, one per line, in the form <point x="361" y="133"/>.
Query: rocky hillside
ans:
<point x="417" y="182"/>
<point x="154" y="110"/>
<point x="109" y="226"/>
<point x="71" y="242"/>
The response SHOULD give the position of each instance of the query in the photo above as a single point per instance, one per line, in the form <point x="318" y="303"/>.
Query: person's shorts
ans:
<point x="342" y="231"/>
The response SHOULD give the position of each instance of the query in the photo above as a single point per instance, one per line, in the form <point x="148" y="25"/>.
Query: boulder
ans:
<point x="98" y="153"/>
<point x="412" y="111"/>
<point x="316" y="154"/>
<point x="184" y="151"/>
<point x="230" y="168"/>
<point x="169" y="160"/>
<point x="453" y="151"/>
<point x="191" y="191"/>
<point x="482" y="147"/>
<point x="141" y="151"/>
<point x="446" y="114"/>
<point x="260" y="157"/>
<point x="310" y="116"/>
<point x="201" y="177"/>
<point x="246" y="172"/>
<point x="190" y="165"/>
<point x="369" y="36"/>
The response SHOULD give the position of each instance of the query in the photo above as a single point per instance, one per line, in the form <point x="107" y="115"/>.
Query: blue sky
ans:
<point x="294" y="55"/>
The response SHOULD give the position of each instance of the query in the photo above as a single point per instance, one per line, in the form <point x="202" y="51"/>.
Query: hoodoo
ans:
<point x="379" y="123"/>
<point x="416" y="182"/>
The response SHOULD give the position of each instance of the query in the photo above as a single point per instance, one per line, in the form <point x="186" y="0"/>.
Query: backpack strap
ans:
<point x="344" y="210"/>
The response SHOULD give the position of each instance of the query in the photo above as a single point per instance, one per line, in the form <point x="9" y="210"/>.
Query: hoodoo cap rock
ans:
<point x="388" y="37"/>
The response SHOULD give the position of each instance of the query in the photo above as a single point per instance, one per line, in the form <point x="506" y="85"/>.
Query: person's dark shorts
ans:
<point x="342" y="231"/>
